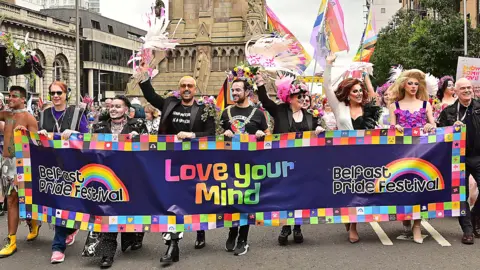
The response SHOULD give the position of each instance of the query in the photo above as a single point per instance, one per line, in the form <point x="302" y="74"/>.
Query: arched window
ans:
<point x="215" y="61"/>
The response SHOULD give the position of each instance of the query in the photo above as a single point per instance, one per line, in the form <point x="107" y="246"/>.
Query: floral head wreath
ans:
<point x="382" y="90"/>
<point x="287" y="86"/>
<point x="243" y="72"/>
<point x="443" y="80"/>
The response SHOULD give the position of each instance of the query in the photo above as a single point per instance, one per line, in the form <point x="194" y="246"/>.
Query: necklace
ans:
<point x="118" y="127"/>
<point x="19" y="111"/>
<point x="57" y="124"/>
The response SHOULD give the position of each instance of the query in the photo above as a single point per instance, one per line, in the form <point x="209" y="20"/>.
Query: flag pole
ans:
<point x="318" y="46"/>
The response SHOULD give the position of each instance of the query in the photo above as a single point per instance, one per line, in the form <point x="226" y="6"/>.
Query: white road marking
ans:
<point x="381" y="234"/>
<point x="435" y="234"/>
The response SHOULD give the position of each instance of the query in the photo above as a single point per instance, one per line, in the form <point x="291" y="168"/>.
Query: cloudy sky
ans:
<point x="298" y="17"/>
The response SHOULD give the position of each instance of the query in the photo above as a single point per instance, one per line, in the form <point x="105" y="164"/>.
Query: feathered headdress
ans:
<point x="395" y="73"/>
<point x="275" y="53"/>
<point x="432" y="84"/>
<point x="287" y="85"/>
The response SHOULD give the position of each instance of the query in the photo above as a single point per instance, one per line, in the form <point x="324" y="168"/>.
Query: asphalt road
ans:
<point x="325" y="247"/>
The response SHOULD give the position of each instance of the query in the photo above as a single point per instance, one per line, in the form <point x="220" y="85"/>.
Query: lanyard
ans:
<point x="57" y="125"/>
<point x="458" y="112"/>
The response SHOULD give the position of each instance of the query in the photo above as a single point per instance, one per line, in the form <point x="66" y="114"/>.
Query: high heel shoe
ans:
<point x="417" y="234"/>
<point x="172" y="254"/>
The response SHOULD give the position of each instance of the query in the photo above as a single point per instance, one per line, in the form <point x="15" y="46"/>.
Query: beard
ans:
<point x="241" y="99"/>
<point x="184" y="93"/>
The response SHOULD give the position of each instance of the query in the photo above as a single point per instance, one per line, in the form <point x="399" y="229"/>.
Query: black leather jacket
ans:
<point x="449" y="116"/>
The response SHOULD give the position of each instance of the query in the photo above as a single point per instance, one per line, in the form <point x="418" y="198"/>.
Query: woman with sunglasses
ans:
<point x="65" y="120"/>
<point x="354" y="109"/>
<point x="411" y="109"/>
<point x="289" y="116"/>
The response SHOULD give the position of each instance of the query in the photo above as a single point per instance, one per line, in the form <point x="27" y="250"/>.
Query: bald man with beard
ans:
<point x="181" y="116"/>
<point x="466" y="112"/>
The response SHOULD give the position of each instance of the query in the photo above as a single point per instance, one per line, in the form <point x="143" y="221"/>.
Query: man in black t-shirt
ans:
<point x="242" y="118"/>
<point x="181" y="116"/>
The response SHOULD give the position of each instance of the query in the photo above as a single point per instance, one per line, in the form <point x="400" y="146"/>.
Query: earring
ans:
<point x="348" y="98"/>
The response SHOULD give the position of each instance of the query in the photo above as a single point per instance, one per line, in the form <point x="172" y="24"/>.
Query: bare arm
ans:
<point x="32" y="124"/>
<point x="371" y="92"/>
<point x="393" y="117"/>
<point x="430" y="118"/>
<point x="329" y="92"/>
<point x="2" y="115"/>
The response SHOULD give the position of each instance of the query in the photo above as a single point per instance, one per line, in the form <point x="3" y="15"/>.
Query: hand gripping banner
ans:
<point x="109" y="183"/>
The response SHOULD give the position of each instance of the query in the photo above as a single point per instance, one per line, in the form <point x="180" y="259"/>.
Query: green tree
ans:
<point x="430" y="43"/>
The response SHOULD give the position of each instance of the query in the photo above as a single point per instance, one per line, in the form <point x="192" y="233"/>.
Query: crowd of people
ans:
<point x="354" y="104"/>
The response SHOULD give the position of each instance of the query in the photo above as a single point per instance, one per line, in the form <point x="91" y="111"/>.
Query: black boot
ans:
<point x="1" y="210"/>
<point x="172" y="254"/>
<point x="232" y="238"/>
<point x="138" y="243"/>
<point x="297" y="234"/>
<point x="106" y="262"/>
<point x="200" y="243"/>
<point x="283" y="237"/>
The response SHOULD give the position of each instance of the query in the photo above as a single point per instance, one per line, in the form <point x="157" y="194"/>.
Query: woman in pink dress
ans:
<point x="411" y="109"/>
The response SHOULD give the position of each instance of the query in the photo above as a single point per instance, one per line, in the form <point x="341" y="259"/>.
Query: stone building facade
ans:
<point x="52" y="39"/>
<point x="212" y="34"/>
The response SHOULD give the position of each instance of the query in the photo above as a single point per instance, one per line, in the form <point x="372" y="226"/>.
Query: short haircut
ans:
<point x="246" y="85"/>
<point x="23" y="91"/>
<point x="124" y="99"/>
<point x="60" y="84"/>
<point x="188" y="77"/>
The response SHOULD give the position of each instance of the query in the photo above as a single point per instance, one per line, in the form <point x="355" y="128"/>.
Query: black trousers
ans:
<point x="472" y="166"/>
<point x="108" y="242"/>
<point x="242" y="232"/>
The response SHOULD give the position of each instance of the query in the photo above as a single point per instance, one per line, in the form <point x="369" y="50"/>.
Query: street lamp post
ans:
<point x="465" y="39"/>
<point x="77" y="48"/>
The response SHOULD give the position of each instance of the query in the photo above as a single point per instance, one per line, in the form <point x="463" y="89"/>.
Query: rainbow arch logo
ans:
<point x="104" y="176"/>
<point x="411" y="166"/>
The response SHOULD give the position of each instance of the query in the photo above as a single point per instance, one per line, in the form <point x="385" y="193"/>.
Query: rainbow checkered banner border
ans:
<point x="118" y="183"/>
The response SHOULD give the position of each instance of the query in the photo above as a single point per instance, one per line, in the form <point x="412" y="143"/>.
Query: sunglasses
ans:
<point x="301" y="96"/>
<point x="412" y="83"/>
<point x="56" y="93"/>
<point x="187" y="85"/>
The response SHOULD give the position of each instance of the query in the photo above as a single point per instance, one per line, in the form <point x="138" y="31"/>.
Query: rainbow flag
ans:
<point x="328" y="30"/>
<point x="369" y="40"/>
<point x="274" y="25"/>
<point x="221" y="97"/>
